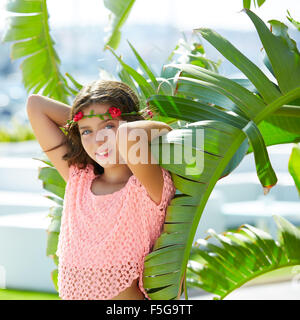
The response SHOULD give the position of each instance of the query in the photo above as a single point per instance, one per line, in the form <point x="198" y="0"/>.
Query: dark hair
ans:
<point x="113" y="93"/>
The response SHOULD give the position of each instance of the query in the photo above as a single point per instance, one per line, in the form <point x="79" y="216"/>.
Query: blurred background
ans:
<point x="79" y="37"/>
<point x="78" y="29"/>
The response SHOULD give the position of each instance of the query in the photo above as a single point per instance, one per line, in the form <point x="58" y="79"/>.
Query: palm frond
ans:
<point x="119" y="12"/>
<point x="54" y="183"/>
<point x="224" y="127"/>
<point x="30" y="32"/>
<point x="224" y="262"/>
<point x="294" y="166"/>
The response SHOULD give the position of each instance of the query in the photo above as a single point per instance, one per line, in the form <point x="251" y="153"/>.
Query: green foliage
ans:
<point x="294" y="165"/>
<point x="247" y="3"/>
<point x="54" y="183"/>
<point x="10" y="294"/>
<point x="224" y="134"/>
<point x="191" y="51"/>
<point x="30" y="31"/>
<point x="240" y="256"/>
<point x="120" y="10"/>
<point x="20" y="132"/>
<point x="293" y="21"/>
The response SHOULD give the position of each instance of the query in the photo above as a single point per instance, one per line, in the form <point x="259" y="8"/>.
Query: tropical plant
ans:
<point x="247" y="3"/>
<point x="237" y="116"/>
<point x="120" y="10"/>
<point x="119" y="13"/>
<point x="240" y="256"/>
<point x="54" y="183"/>
<point x="226" y="126"/>
<point x="294" y="166"/>
<point x="30" y="32"/>
<point x="18" y="133"/>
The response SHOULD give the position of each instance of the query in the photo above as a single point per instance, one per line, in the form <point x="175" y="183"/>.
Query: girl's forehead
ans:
<point x="98" y="109"/>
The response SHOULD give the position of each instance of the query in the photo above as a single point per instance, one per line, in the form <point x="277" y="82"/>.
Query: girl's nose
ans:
<point x="105" y="136"/>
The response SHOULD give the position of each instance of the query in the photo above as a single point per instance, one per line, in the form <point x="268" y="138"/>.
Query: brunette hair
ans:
<point x="113" y="93"/>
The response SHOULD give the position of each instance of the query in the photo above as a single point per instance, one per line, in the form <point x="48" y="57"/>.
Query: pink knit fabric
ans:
<point x="104" y="239"/>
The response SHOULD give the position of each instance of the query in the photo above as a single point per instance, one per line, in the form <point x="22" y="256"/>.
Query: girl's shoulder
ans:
<point x="166" y="175"/>
<point x="143" y="196"/>
<point x="76" y="171"/>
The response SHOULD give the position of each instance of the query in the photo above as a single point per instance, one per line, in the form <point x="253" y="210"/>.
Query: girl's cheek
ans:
<point x="85" y="143"/>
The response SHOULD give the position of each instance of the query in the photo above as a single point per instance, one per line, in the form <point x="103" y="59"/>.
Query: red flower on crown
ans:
<point x="78" y="116"/>
<point x="150" y="113"/>
<point x="114" y="112"/>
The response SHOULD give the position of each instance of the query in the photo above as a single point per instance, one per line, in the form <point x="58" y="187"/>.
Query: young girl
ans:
<point x="113" y="210"/>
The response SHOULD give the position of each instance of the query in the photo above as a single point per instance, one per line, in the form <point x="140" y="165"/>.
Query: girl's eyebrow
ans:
<point x="85" y="127"/>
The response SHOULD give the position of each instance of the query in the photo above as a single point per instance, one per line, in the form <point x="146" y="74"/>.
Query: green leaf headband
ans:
<point x="112" y="112"/>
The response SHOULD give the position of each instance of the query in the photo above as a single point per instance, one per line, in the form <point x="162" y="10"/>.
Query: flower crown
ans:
<point x="112" y="112"/>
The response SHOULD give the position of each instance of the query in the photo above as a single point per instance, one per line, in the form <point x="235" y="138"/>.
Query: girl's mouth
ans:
<point x="103" y="154"/>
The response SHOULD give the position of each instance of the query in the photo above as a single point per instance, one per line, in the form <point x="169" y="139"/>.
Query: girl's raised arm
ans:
<point x="46" y="116"/>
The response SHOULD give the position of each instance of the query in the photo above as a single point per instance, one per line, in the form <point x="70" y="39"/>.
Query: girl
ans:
<point x="113" y="210"/>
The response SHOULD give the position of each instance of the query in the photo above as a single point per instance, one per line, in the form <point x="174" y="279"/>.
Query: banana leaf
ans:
<point x="30" y="32"/>
<point x="54" y="183"/>
<point x="293" y="21"/>
<point x="294" y="166"/>
<point x="247" y="3"/>
<point x="120" y="10"/>
<point x="282" y="126"/>
<point x="276" y="47"/>
<point x="234" y="258"/>
<point x="221" y="142"/>
<point x="235" y="92"/>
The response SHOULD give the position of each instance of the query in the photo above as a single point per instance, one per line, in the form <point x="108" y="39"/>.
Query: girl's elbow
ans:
<point x="32" y="101"/>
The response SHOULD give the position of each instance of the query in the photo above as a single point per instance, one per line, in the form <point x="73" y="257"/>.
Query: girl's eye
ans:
<point x="111" y="125"/>
<point x="82" y="133"/>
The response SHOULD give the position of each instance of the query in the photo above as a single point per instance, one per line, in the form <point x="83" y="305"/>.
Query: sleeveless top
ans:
<point x="104" y="239"/>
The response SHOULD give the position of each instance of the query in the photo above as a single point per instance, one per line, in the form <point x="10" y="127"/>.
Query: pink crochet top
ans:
<point x="104" y="239"/>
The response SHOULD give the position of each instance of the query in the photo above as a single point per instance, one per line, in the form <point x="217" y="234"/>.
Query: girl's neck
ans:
<point x="116" y="175"/>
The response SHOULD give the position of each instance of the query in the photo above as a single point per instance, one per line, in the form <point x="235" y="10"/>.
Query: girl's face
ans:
<point x="98" y="136"/>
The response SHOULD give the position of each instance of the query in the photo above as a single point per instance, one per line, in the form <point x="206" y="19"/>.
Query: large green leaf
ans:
<point x="120" y="10"/>
<point x="294" y="165"/>
<point x="247" y="3"/>
<point x="193" y="110"/>
<point x="240" y="256"/>
<point x="221" y="134"/>
<point x="145" y="67"/>
<point x="54" y="183"/>
<point x="278" y="50"/>
<point x="264" y="86"/>
<point x="247" y="104"/>
<point x="184" y="212"/>
<point x="282" y="126"/>
<point x="32" y="41"/>
<point x="223" y="138"/>
<point x="293" y="21"/>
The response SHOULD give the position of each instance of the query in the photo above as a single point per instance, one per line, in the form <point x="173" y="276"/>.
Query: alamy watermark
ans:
<point x="187" y="145"/>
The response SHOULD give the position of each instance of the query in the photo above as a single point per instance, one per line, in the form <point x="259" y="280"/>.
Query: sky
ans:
<point x="181" y="14"/>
